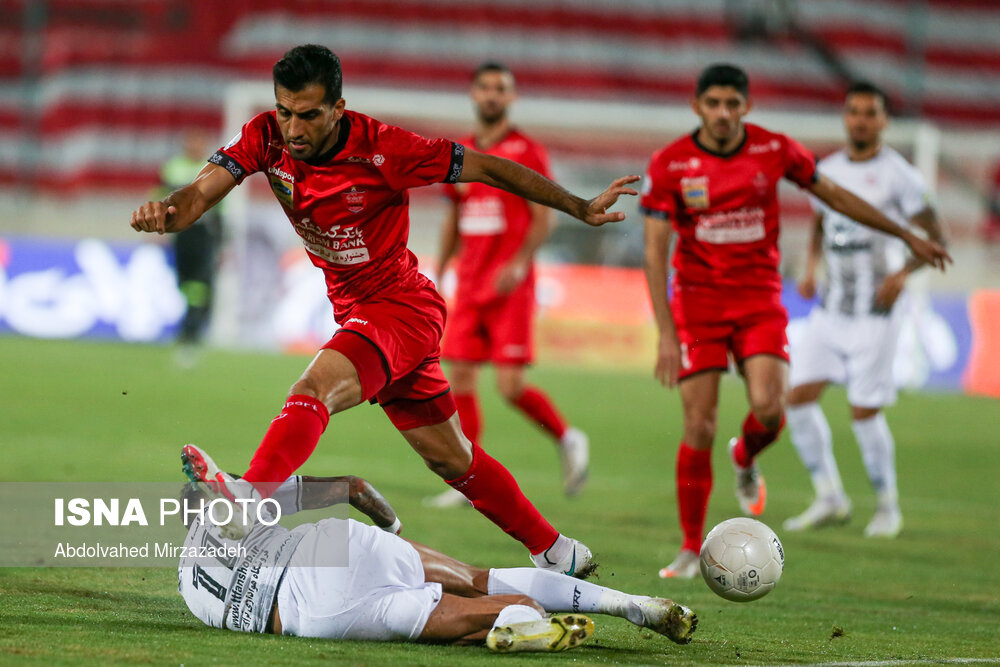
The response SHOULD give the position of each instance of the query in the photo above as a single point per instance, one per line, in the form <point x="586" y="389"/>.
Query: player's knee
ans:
<point x="337" y="395"/>
<point x="462" y="377"/>
<point x="447" y="466"/>
<point x="511" y="390"/>
<point x="769" y="412"/>
<point x="699" y="431"/>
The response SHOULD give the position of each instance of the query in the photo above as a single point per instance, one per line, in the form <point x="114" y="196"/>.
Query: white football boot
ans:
<point x="751" y="492"/>
<point x="822" y="512"/>
<point x="566" y="556"/>
<point x="556" y="633"/>
<point x="685" y="566"/>
<point x="674" y="621"/>
<point x="887" y="522"/>
<point x="201" y="469"/>
<point x="574" y="450"/>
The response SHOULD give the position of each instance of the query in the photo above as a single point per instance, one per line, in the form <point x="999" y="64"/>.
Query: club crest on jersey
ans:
<point x="283" y="190"/>
<point x="695" y="192"/>
<point x="354" y="199"/>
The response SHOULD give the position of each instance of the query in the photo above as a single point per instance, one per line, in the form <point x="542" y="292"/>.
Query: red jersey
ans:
<point x="350" y="205"/>
<point x="724" y="208"/>
<point x="492" y="223"/>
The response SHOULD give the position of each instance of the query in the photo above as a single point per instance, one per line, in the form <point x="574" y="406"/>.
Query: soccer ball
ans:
<point x="742" y="559"/>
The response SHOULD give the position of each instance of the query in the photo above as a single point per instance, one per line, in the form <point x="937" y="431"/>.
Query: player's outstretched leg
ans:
<point x="201" y="469"/>
<point x="557" y="593"/>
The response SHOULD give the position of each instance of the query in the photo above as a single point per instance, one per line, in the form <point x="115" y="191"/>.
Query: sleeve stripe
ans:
<point x="653" y="213"/>
<point x="457" y="161"/>
<point x="229" y="163"/>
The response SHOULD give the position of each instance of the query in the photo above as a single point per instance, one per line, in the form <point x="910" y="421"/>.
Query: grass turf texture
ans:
<point x="107" y="412"/>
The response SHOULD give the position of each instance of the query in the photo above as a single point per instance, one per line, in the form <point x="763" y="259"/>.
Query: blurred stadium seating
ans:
<point x="95" y="92"/>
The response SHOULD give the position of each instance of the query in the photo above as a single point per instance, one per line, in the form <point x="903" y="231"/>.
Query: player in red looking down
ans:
<point x="717" y="188"/>
<point x="495" y="235"/>
<point x="342" y="179"/>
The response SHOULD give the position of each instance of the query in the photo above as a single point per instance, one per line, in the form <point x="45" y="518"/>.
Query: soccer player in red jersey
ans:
<point x="717" y="188"/>
<point x="342" y="179"/>
<point x="495" y="235"/>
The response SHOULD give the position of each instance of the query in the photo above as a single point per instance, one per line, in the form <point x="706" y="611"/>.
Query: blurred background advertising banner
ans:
<point x="55" y="288"/>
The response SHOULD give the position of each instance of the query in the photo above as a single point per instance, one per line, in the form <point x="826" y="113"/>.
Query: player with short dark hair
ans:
<point x="341" y="178"/>
<point x="717" y="189"/>
<point x="851" y="336"/>
<point x="274" y="581"/>
<point x="494" y="234"/>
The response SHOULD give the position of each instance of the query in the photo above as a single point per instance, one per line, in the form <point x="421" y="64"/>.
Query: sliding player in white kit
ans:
<point x="851" y="337"/>
<point x="286" y="582"/>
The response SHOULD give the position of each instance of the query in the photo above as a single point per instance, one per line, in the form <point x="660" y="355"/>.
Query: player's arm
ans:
<point x="181" y="208"/>
<point x="657" y="255"/>
<point x="892" y="286"/>
<point x="523" y="182"/>
<point x="807" y="285"/>
<point x="320" y="492"/>
<point x="449" y="241"/>
<point x="513" y="272"/>
<point x="861" y="211"/>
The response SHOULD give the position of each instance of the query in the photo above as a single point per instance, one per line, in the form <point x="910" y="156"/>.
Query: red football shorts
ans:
<point x="499" y="330"/>
<point x="711" y="323"/>
<point x="393" y="343"/>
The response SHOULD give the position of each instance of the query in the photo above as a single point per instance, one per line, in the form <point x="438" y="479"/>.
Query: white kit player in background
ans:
<point x="290" y="582"/>
<point x="851" y="337"/>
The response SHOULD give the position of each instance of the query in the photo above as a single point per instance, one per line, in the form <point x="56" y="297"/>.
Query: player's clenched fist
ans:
<point x="153" y="216"/>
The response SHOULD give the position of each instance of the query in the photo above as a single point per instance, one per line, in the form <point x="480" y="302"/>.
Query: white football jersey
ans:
<point x="230" y="584"/>
<point x="859" y="258"/>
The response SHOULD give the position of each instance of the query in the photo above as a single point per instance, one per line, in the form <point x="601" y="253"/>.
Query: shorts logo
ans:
<point x="283" y="190"/>
<point x="695" y="192"/>
<point x="685" y="357"/>
<point x="355" y="199"/>
<point x="378" y="160"/>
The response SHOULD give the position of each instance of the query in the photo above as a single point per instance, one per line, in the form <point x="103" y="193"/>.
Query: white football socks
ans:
<point x="516" y="613"/>
<point x="878" y="450"/>
<point x="560" y="593"/>
<point x="810" y="433"/>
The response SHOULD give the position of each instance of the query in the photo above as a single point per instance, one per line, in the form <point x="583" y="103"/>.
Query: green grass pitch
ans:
<point x="108" y="412"/>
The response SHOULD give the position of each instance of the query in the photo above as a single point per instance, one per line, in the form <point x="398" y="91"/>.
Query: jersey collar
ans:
<point x="343" y="133"/>
<point x="739" y="147"/>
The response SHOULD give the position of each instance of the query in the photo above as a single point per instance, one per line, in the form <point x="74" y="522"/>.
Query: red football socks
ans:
<point x="694" y="485"/>
<point x="494" y="492"/>
<point x="289" y="441"/>
<point x="539" y="408"/>
<point x="754" y="439"/>
<point x="470" y="415"/>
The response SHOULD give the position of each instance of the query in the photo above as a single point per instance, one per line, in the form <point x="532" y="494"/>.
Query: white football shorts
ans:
<point x="380" y="596"/>
<point x="853" y="350"/>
